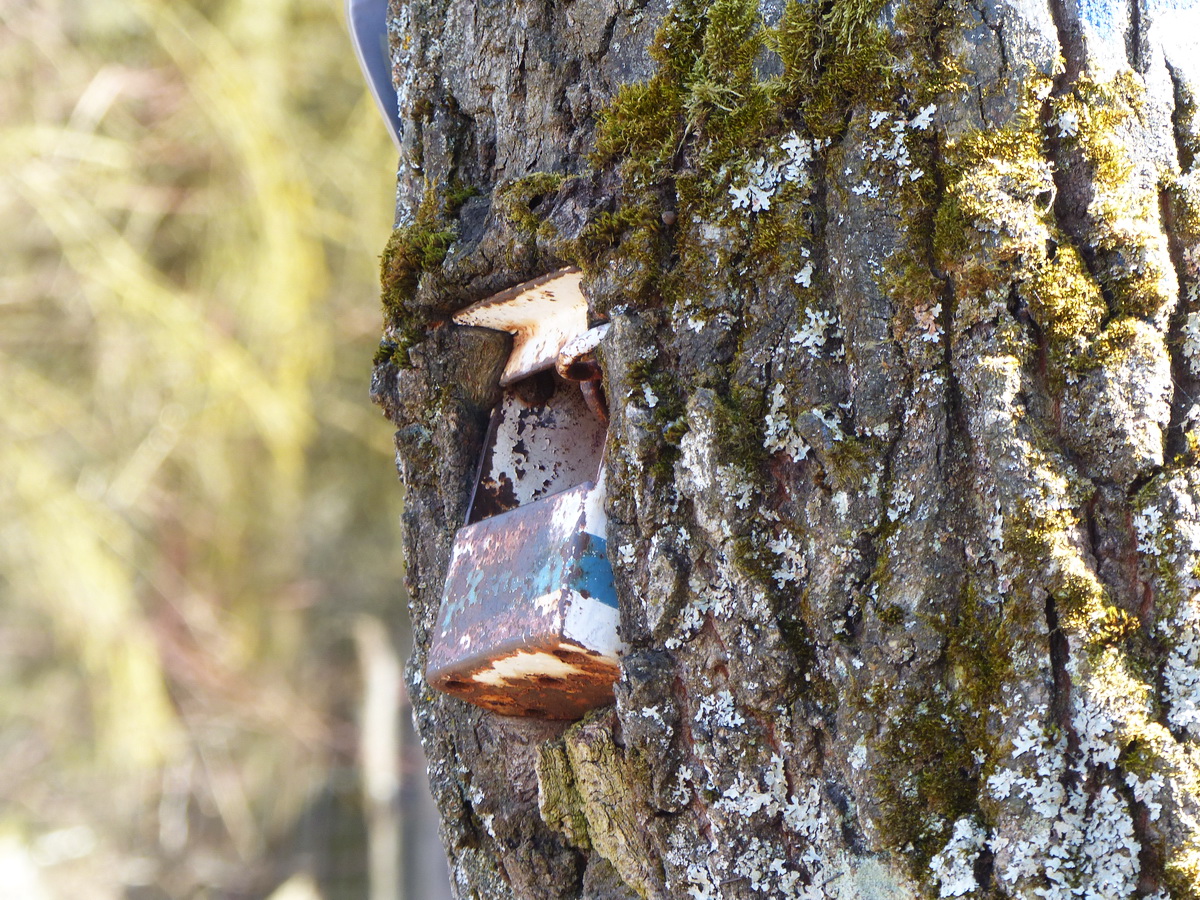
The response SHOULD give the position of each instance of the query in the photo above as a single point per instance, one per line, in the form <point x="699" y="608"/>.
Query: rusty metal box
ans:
<point x="528" y="624"/>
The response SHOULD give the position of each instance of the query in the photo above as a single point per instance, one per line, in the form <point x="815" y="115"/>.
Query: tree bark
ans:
<point x="904" y="506"/>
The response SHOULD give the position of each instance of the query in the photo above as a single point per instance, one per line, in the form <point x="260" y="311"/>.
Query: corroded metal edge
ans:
<point x="535" y="450"/>
<point x="552" y="678"/>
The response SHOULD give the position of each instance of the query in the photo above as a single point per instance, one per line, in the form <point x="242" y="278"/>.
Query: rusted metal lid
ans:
<point x="542" y="315"/>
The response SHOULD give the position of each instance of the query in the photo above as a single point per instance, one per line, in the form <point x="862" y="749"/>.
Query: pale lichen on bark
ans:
<point x="902" y="464"/>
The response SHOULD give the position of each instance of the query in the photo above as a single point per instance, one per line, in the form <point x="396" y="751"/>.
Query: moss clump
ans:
<point x="740" y="442"/>
<point x="1182" y="874"/>
<point x="704" y="95"/>
<point x="1184" y="195"/>
<point x="1064" y="299"/>
<point x="458" y="193"/>
<point x="1122" y="339"/>
<point x="928" y="778"/>
<point x="411" y="250"/>
<point x="517" y="200"/>
<point x="979" y="656"/>
<point x="892" y="615"/>
<point x="933" y="752"/>
<point x="996" y="226"/>
<point x="636" y="228"/>
<point x="835" y="57"/>
<point x="1130" y="259"/>
<point x="680" y="140"/>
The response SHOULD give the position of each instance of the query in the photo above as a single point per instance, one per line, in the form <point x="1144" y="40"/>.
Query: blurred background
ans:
<point x="201" y="611"/>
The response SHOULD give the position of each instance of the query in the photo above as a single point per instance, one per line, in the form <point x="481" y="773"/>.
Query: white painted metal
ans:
<point x="542" y="316"/>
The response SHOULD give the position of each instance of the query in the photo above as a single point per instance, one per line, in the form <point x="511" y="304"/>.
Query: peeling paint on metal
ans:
<point x="521" y="666"/>
<point x="539" y="448"/>
<point x="594" y="624"/>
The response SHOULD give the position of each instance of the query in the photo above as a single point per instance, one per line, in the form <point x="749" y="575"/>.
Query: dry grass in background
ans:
<point x="196" y="498"/>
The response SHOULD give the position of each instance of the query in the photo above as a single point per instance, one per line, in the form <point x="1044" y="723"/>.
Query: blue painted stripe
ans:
<point x="596" y="574"/>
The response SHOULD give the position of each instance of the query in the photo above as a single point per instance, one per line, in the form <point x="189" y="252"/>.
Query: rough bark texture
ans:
<point x="904" y="485"/>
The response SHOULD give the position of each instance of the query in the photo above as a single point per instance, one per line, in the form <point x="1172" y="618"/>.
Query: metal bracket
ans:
<point x="541" y="315"/>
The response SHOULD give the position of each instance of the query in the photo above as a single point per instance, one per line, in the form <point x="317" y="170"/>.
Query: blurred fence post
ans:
<point x="380" y="753"/>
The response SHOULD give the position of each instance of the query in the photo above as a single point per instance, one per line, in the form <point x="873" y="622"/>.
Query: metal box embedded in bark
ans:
<point x="528" y="622"/>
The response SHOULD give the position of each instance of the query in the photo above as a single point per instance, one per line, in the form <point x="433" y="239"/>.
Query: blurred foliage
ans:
<point x="196" y="497"/>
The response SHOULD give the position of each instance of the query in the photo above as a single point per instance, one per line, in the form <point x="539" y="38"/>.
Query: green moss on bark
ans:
<point x="679" y="138"/>
<point x="517" y="200"/>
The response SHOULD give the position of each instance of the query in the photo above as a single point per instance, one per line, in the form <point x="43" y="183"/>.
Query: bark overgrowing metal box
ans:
<point x="528" y="622"/>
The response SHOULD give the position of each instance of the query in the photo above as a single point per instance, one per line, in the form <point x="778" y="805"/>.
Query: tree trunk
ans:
<point x="904" y="497"/>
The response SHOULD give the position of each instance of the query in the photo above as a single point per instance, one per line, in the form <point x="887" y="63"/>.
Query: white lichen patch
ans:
<point x="830" y="420"/>
<point x="900" y="504"/>
<point x="1075" y="836"/>
<point x="1068" y="123"/>
<point x="1191" y="339"/>
<point x="819" y="328"/>
<point x="1146" y="792"/>
<point x="719" y="711"/>
<point x="734" y="858"/>
<point x="791" y="568"/>
<point x="1148" y="524"/>
<point x="764" y="865"/>
<point x="700" y="883"/>
<point x="953" y="867"/>
<point x="1181" y="674"/>
<point x="888" y="150"/>
<point x="692" y="619"/>
<point x="780" y="435"/>
<point x="927" y="322"/>
<point x="745" y="798"/>
<point x="697" y="456"/>
<point x="790" y="162"/>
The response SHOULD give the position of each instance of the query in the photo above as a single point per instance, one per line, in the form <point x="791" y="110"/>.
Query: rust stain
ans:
<point x="581" y="681"/>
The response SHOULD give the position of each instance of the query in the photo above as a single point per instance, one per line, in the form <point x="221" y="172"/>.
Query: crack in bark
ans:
<point x="1070" y="43"/>
<point x="1150" y="858"/>
<point x="606" y="39"/>
<point x="1072" y="195"/>
<point x="1060" y="685"/>
<point x="1133" y="40"/>
<point x="1180" y="92"/>
<point x="1185" y="387"/>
